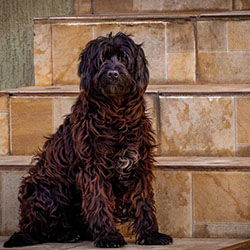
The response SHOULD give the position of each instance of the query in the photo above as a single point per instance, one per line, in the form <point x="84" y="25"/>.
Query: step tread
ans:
<point x="175" y="162"/>
<point x="147" y="16"/>
<point x="179" y="244"/>
<point x="161" y="89"/>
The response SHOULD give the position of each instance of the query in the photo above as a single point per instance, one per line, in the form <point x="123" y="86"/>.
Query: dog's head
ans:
<point x="113" y="65"/>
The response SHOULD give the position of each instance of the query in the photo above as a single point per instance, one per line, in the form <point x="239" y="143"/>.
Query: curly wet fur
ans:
<point x="96" y="170"/>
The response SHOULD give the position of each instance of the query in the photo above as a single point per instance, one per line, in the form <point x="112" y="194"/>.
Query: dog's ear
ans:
<point x="83" y="69"/>
<point x="141" y="71"/>
<point x="87" y="66"/>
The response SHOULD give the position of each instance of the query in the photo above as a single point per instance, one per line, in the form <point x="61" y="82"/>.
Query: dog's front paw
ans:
<point x="155" y="238"/>
<point x="110" y="241"/>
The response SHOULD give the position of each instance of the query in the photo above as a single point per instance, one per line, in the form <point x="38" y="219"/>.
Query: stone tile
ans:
<point x="113" y="6"/>
<point x="242" y="4"/>
<point x="221" y="197"/>
<point x="151" y="109"/>
<point x="243" y="150"/>
<point x="187" y="5"/>
<point x="180" y="37"/>
<point x="200" y="126"/>
<point x="152" y="112"/>
<point x="66" y="53"/>
<point x="232" y="67"/>
<point x="61" y="107"/>
<point x="239" y="35"/>
<point x="153" y="37"/>
<point x="181" y="68"/>
<point x="4" y="103"/>
<point x="221" y="230"/>
<point x="147" y="5"/>
<point x="82" y="7"/>
<point x="42" y="54"/>
<point x="212" y="36"/>
<point x="9" y="181"/>
<point x="31" y="120"/>
<point x="4" y="134"/>
<point x="85" y="6"/>
<point x="173" y="196"/>
<point x="243" y="118"/>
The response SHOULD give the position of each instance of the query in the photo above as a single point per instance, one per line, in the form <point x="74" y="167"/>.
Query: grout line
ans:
<point x="10" y="126"/>
<point x="158" y="124"/>
<point x="226" y="36"/>
<point x="235" y="126"/>
<point x="166" y="51"/>
<point x="192" y="205"/>
<point x="197" y="71"/>
<point x="92" y="7"/>
<point x="78" y="11"/>
<point x="52" y="55"/>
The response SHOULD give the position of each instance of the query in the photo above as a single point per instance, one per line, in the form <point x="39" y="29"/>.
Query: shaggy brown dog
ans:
<point x="96" y="170"/>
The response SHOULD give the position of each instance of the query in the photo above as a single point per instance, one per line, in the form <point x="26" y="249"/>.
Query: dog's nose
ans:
<point x="113" y="74"/>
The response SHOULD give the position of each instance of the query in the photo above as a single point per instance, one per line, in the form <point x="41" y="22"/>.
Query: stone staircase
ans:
<point x="198" y="97"/>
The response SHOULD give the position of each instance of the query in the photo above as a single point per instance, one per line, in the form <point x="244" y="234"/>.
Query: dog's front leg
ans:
<point x="145" y="222"/>
<point x="98" y="204"/>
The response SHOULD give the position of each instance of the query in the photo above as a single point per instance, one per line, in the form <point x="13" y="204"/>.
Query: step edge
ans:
<point x="178" y="89"/>
<point x="163" y="162"/>
<point x="148" y="15"/>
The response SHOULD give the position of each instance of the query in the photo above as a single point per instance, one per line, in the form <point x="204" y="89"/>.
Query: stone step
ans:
<point x="181" y="48"/>
<point x="139" y="6"/>
<point x="189" y="120"/>
<point x="200" y="197"/>
<point x="179" y="244"/>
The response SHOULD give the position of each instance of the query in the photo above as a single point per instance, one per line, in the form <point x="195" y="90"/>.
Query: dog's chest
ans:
<point x="127" y="160"/>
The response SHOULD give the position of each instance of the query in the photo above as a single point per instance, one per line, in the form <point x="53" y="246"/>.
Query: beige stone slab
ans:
<point x="4" y="103"/>
<point x="221" y="230"/>
<point x="212" y="35"/>
<point x="111" y="6"/>
<point x="221" y="197"/>
<point x="232" y="67"/>
<point x="181" y="67"/>
<point x="239" y="35"/>
<point x="10" y="181"/>
<point x="200" y="126"/>
<point x="82" y="6"/>
<point x="4" y="134"/>
<point x="31" y="120"/>
<point x="173" y="196"/>
<point x="187" y="5"/>
<point x="180" y="37"/>
<point x="42" y="54"/>
<point x="243" y="119"/>
<point x="68" y="42"/>
<point x="243" y="150"/>
<point x="152" y="35"/>
<point x="15" y="161"/>
<point x="61" y="107"/>
<point x="151" y="109"/>
<point x="242" y="4"/>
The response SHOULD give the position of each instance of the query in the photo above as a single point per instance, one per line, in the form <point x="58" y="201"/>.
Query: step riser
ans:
<point x="178" y="51"/>
<point x="189" y="204"/>
<point x="194" y="125"/>
<point x="99" y="6"/>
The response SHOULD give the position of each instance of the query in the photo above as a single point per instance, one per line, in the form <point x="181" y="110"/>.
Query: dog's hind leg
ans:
<point x="45" y="214"/>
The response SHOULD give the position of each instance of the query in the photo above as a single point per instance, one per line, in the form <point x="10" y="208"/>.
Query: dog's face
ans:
<point x="113" y="65"/>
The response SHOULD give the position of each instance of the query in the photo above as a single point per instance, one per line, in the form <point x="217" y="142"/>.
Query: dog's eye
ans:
<point x="106" y="55"/>
<point x="122" y="58"/>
